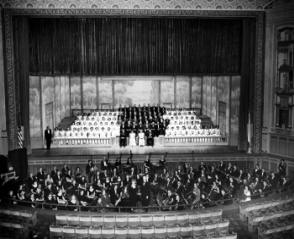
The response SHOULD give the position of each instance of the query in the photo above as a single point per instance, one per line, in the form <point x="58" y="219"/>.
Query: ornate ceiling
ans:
<point x="140" y="4"/>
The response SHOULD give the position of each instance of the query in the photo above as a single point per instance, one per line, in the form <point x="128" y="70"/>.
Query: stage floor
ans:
<point x="207" y="149"/>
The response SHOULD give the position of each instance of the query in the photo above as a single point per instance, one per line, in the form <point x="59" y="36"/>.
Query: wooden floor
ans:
<point x="203" y="149"/>
<point x="79" y="156"/>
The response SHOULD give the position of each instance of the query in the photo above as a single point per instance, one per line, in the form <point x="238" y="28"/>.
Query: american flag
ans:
<point x="20" y="136"/>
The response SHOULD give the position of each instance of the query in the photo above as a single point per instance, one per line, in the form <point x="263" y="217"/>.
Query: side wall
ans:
<point x="3" y="130"/>
<point x="275" y="141"/>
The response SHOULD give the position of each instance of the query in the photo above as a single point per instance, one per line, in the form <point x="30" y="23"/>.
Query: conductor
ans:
<point x="48" y="137"/>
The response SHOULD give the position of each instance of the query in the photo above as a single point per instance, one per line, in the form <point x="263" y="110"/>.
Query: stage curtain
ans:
<point x="135" y="46"/>
<point x="55" y="46"/>
<point x="21" y="74"/>
<point x="247" y="79"/>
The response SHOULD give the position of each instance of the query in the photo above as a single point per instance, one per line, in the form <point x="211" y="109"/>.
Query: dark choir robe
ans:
<point x="145" y="191"/>
<point x="48" y="137"/>
<point x="133" y="196"/>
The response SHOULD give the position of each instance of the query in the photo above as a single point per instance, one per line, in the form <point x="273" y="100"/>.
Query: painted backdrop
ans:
<point x="68" y="93"/>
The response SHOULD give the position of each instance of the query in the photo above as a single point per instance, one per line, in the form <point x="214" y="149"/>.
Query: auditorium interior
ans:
<point x="147" y="119"/>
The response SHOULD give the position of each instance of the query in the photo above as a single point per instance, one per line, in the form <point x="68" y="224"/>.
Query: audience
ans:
<point x="117" y="184"/>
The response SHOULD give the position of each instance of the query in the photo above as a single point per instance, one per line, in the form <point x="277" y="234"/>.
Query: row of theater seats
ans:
<point x="195" y="224"/>
<point x="142" y="232"/>
<point x="130" y="220"/>
<point x="270" y="219"/>
<point x="16" y="223"/>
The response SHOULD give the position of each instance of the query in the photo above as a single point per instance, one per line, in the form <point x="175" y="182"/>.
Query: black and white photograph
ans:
<point x="149" y="119"/>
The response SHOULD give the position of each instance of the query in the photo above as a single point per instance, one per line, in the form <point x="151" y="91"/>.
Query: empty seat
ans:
<point x="107" y="232"/>
<point x="82" y="232"/>
<point x="146" y="221"/>
<point x="194" y="219"/>
<point x="85" y="221"/>
<point x="133" y="221"/>
<point x="95" y="232"/>
<point x="147" y="232"/>
<point x="109" y="221"/>
<point x="134" y="233"/>
<point x="73" y="220"/>
<point x="186" y="231"/>
<point x="182" y="219"/>
<point x="12" y="230"/>
<point x="55" y="231"/>
<point x="97" y="221"/>
<point x="68" y="232"/>
<point x="223" y="226"/>
<point x="121" y="233"/>
<point x="173" y="232"/>
<point x="170" y="220"/>
<point x="121" y="221"/>
<point x="160" y="232"/>
<point x="158" y="220"/>
<point x="61" y="219"/>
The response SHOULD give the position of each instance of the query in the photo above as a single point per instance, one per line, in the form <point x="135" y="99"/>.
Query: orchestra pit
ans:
<point x="147" y="119"/>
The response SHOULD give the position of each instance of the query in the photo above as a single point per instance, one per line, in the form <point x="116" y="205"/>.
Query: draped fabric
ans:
<point x="21" y="73"/>
<point x="135" y="46"/>
<point x="247" y="79"/>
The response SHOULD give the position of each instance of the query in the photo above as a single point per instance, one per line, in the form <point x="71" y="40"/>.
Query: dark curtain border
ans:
<point x="135" y="46"/>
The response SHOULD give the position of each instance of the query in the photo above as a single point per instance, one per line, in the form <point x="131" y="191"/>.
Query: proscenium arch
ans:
<point x="255" y="106"/>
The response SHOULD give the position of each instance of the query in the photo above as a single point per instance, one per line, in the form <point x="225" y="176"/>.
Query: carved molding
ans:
<point x="258" y="87"/>
<point x="139" y="4"/>
<point x="130" y="12"/>
<point x="10" y="82"/>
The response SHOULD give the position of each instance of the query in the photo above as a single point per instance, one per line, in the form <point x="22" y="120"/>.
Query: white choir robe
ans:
<point x="132" y="139"/>
<point x="141" y="139"/>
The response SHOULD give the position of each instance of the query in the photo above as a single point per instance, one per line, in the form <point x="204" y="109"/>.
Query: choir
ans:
<point x="135" y="125"/>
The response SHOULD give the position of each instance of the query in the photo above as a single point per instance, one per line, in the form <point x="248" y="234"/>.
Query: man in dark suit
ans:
<point x="48" y="137"/>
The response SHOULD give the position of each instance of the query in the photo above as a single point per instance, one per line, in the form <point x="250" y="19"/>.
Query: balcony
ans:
<point x="284" y="91"/>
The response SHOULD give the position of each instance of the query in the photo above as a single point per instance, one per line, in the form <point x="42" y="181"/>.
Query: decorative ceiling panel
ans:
<point x="140" y="4"/>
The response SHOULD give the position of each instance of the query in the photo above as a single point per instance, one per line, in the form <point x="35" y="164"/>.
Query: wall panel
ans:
<point x="223" y="91"/>
<point x="139" y="92"/>
<point x="35" y="111"/>
<point x="167" y="92"/>
<point x="105" y="92"/>
<point x="65" y="96"/>
<point x="89" y="92"/>
<point x="183" y="92"/>
<point x="213" y="101"/>
<point x="196" y="92"/>
<point x="235" y="107"/>
<point x="57" y="100"/>
<point x="75" y="92"/>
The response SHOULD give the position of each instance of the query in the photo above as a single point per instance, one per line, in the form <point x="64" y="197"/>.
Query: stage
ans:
<point x="116" y="150"/>
<point x="79" y="156"/>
